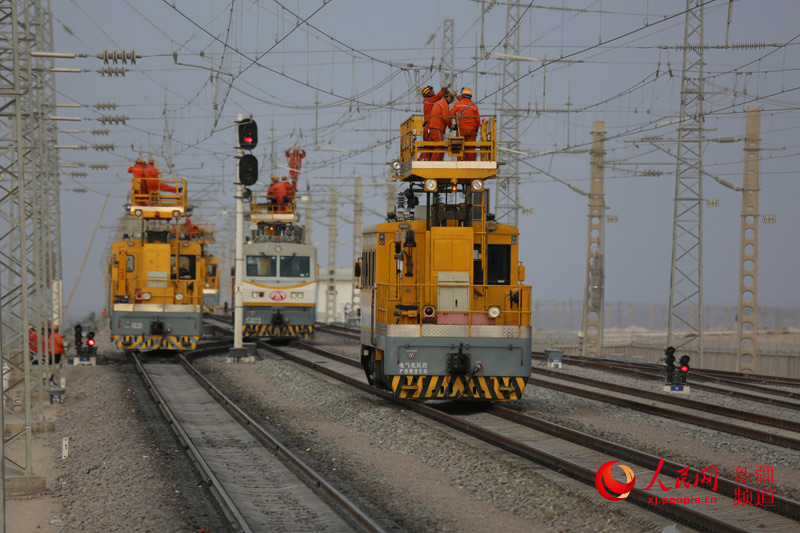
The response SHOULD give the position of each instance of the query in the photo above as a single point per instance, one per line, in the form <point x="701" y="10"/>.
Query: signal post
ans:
<point x="248" y="176"/>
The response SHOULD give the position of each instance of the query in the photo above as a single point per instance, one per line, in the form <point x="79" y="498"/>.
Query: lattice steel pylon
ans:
<point x="16" y="41"/>
<point x="448" y="53"/>
<point x="686" y="279"/>
<point x="507" y="193"/>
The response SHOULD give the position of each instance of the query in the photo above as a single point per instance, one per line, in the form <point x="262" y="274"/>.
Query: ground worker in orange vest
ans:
<point x="440" y="121"/>
<point x="467" y="121"/>
<point x="138" y="171"/>
<point x="295" y="158"/>
<point x="33" y="344"/>
<point x="152" y="179"/>
<point x="428" y="100"/>
<point x="58" y="347"/>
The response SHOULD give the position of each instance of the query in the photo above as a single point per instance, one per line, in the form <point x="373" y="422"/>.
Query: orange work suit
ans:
<point x="468" y="122"/>
<point x="295" y="158"/>
<point x="427" y="106"/>
<point x="439" y="122"/>
<point x="153" y="181"/>
<point x="138" y="181"/>
<point x="285" y="194"/>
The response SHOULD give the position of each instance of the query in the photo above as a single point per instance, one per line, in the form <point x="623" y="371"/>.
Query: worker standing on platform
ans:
<point x="439" y="122"/>
<point x="428" y="100"/>
<point x="273" y="193"/>
<point x="467" y="121"/>
<point x="152" y="178"/>
<point x="138" y="171"/>
<point x="286" y="192"/>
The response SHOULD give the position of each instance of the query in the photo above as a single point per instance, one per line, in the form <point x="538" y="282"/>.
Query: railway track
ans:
<point x="767" y="395"/>
<point x="577" y="454"/>
<point x="259" y="483"/>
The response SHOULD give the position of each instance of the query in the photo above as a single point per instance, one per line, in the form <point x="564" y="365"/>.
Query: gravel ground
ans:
<point x="419" y="476"/>
<point x="125" y="470"/>
<point x="670" y="439"/>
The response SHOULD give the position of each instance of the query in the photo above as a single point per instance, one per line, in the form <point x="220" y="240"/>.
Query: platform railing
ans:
<point x="412" y="144"/>
<point x="141" y="195"/>
<point x="263" y="204"/>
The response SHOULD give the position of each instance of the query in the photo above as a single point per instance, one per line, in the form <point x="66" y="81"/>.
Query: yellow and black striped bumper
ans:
<point x="154" y="342"/>
<point x="458" y="388"/>
<point x="210" y="309"/>
<point x="271" y="330"/>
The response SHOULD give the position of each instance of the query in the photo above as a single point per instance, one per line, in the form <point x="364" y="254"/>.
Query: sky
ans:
<point x="337" y="79"/>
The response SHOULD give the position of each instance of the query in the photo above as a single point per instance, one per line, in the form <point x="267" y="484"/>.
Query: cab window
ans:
<point x="295" y="266"/>
<point x="130" y="263"/>
<point x="264" y="266"/>
<point x="498" y="271"/>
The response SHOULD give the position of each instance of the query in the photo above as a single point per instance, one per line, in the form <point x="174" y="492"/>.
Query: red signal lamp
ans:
<point x="684" y="368"/>
<point x="90" y="342"/>
<point x="248" y="139"/>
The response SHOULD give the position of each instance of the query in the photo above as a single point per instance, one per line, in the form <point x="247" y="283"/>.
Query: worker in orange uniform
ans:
<point x="428" y="100"/>
<point x="467" y="121"/>
<point x="58" y="346"/>
<point x="190" y="228"/>
<point x="33" y="344"/>
<point x="287" y="192"/>
<point x="295" y="158"/>
<point x="139" y="186"/>
<point x="274" y="192"/>
<point x="440" y="120"/>
<point x="152" y="179"/>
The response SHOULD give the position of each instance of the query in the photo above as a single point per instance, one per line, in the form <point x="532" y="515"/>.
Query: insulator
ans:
<point x="652" y="172"/>
<point x="78" y="174"/>
<point x="79" y="190"/>
<point x="112" y="71"/>
<point x="401" y="200"/>
<point x="100" y="132"/>
<point x="99" y="166"/>
<point x="115" y="56"/>
<point x="103" y="147"/>
<point x="105" y="105"/>
<point x="112" y="119"/>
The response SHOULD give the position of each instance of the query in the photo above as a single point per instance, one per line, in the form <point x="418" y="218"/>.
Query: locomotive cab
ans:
<point x="444" y="313"/>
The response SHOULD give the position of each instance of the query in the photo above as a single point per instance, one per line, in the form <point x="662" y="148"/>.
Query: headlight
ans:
<point x="138" y="212"/>
<point x="146" y="296"/>
<point x="179" y="297"/>
<point x="494" y="311"/>
<point x="430" y="185"/>
<point x="477" y="185"/>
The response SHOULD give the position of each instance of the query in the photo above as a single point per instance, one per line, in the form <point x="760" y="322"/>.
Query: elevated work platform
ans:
<point x="156" y="198"/>
<point x="265" y="208"/>
<point x="415" y="152"/>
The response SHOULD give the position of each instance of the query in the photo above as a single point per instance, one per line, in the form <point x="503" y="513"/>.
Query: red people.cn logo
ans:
<point x="277" y="296"/>
<point x="605" y="482"/>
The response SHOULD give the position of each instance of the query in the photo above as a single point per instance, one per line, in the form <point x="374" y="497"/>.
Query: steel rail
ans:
<point x="639" y="497"/>
<point x="227" y="504"/>
<point x="659" y="376"/>
<point x="676" y="400"/>
<point x="317" y="480"/>
<point x="727" y="427"/>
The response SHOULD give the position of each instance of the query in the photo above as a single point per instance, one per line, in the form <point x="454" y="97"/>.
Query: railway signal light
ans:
<point x="669" y="361"/>
<point x="248" y="170"/>
<point x="90" y="339"/>
<point x="683" y="370"/>
<point x="248" y="134"/>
